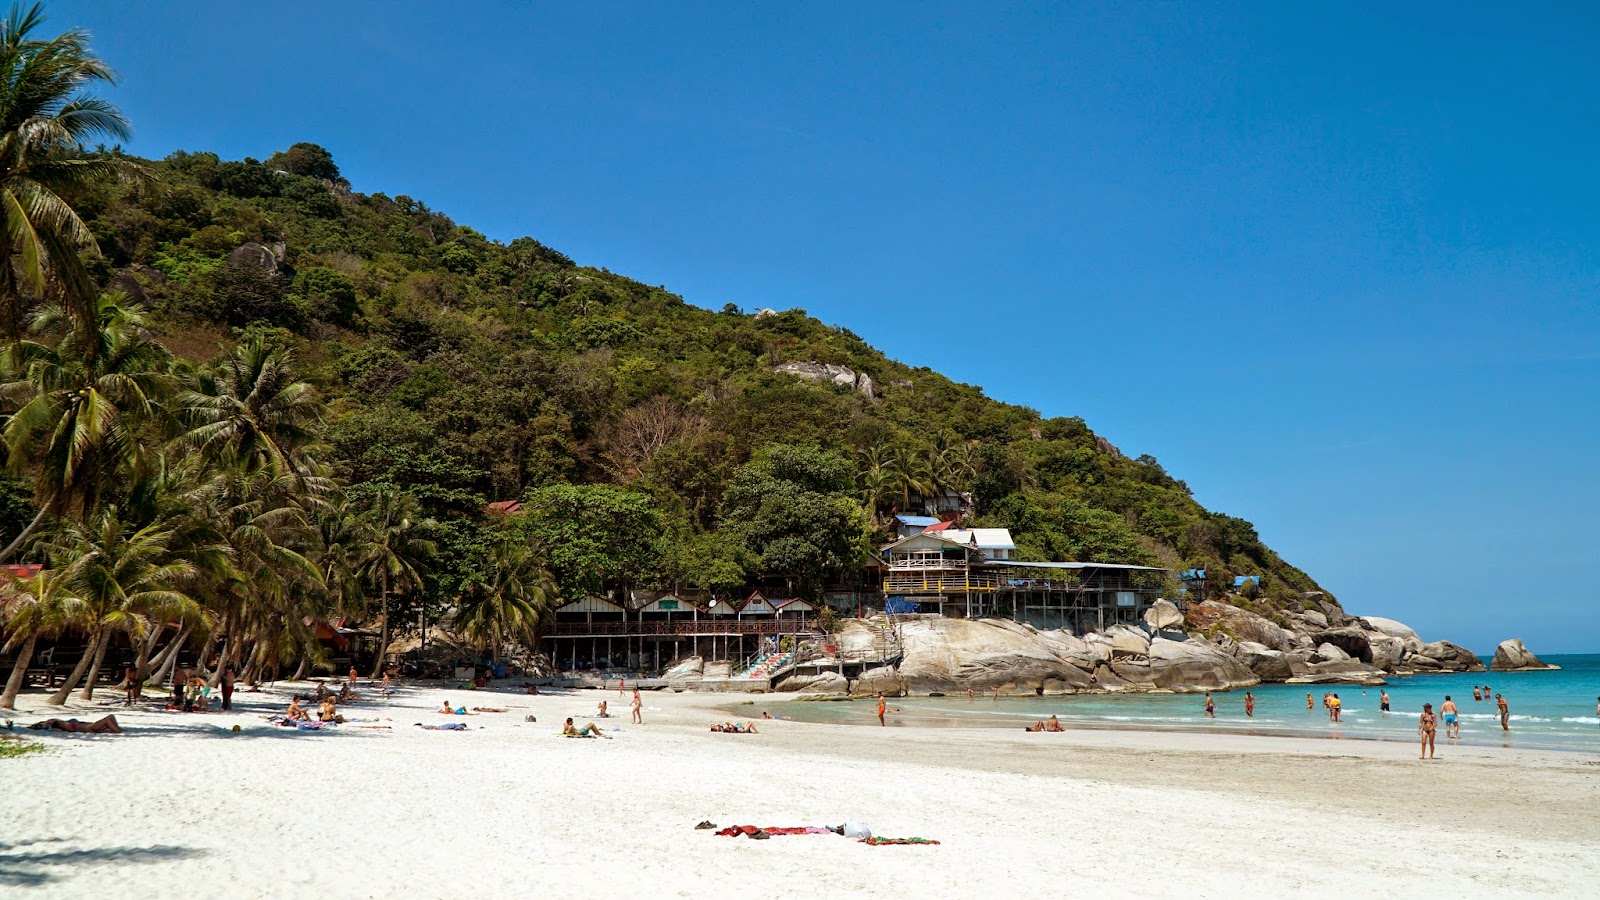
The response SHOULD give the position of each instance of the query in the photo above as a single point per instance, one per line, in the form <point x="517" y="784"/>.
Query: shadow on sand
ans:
<point x="33" y="863"/>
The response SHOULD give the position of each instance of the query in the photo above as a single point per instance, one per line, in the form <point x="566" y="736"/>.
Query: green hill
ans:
<point x="468" y="371"/>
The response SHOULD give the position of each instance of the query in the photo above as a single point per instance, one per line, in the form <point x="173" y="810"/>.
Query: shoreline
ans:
<point x="203" y="811"/>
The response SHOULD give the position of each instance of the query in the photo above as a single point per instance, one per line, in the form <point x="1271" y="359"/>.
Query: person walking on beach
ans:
<point x="1249" y="704"/>
<point x="881" y="707"/>
<point x="228" y="680"/>
<point x="1452" y="719"/>
<point x="638" y="709"/>
<point x="1211" y="706"/>
<point x="1383" y="701"/>
<point x="1426" y="725"/>
<point x="1505" y="713"/>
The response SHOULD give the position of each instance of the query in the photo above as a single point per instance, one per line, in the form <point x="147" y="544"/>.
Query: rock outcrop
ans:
<point x="830" y="373"/>
<point x="1512" y="656"/>
<point x="819" y="683"/>
<point x="259" y="256"/>
<point x="1163" y="615"/>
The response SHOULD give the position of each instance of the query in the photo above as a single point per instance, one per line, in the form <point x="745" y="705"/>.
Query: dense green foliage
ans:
<point x="642" y="431"/>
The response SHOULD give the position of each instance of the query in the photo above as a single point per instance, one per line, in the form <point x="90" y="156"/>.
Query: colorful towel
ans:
<point x="751" y="830"/>
<point x="879" y="842"/>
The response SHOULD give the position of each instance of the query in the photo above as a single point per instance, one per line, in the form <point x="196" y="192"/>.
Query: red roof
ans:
<point x="939" y="527"/>
<point x="26" y="570"/>
<point x="506" y="507"/>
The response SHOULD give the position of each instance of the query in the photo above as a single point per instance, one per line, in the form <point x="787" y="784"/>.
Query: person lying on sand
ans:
<point x="588" y="730"/>
<point x="296" y="712"/>
<point x="107" y="725"/>
<point x="448" y="710"/>
<point x="530" y="687"/>
<point x="490" y="709"/>
<point x="735" y="728"/>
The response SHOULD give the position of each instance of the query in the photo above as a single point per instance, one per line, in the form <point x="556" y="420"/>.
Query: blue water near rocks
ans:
<point x="1553" y="710"/>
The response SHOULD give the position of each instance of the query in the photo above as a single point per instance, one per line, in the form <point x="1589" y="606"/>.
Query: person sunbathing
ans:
<point x="735" y="728"/>
<point x="447" y="710"/>
<point x="1053" y="725"/>
<point x="107" y="725"/>
<point x="588" y="730"/>
<point x="330" y="712"/>
<point x="296" y="712"/>
<point x="602" y="714"/>
<point x="1037" y="726"/>
<point x="490" y="709"/>
<point x="530" y="687"/>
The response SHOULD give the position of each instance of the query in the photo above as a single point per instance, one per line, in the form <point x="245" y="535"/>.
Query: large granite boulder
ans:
<point x="1443" y="656"/>
<point x="1163" y="615"/>
<point x="1391" y="628"/>
<point x="1386" y="651"/>
<point x="830" y="373"/>
<point x="1190" y="664"/>
<point x="1265" y="663"/>
<point x="882" y="680"/>
<point x="252" y="255"/>
<point x="1512" y="656"/>
<point x="1331" y="653"/>
<point x="818" y="683"/>
<point x="1245" y="625"/>
<point x="957" y="654"/>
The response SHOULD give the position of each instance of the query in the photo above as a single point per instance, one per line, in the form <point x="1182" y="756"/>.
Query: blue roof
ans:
<point x="919" y="521"/>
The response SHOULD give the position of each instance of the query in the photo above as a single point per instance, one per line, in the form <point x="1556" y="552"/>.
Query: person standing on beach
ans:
<point x="638" y="708"/>
<point x="1426" y="725"/>
<point x="1452" y="718"/>
<point x="1211" y="706"/>
<point x="1505" y="713"/>
<point x="352" y="676"/>
<point x="228" y="680"/>
<point x="1249" y="704"/>
<point x="881" y="707"/>
<point x="180" y="684"/>
<point x="1383" y="701"/>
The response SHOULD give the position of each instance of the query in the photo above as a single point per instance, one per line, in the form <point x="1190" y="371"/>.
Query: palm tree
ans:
<point x="115" y="575"/>
<point x="32" y="609"/>
<point x="394" y="552"/>
<point x="509" y="600"/>
<point x="254" y="409"/>
<point x="911" y="476"/>
<point x="78" y="405"/>
<point x="47" y="124"/>
<point x="876" y="478"/>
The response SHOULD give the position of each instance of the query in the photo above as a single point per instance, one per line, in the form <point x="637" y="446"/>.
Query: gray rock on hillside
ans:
<point x="830" y="373"/>
<point x="1512" y="656"/>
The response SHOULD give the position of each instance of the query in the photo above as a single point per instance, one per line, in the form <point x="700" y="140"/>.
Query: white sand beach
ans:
<point x="183" y="807"/>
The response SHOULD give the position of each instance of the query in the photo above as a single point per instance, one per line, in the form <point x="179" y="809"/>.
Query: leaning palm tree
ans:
<point x="47" y="125"/>
<point x="33" y="609"/>
<point x="78" y="406"/>
<point x="116" y="575"/>
<point x="508" y="600"/>
<point x="256" y="409"/>
<point x="394" y="552"/>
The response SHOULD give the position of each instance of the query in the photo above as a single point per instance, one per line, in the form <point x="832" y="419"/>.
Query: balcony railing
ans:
<point x="938" y="582"/>
<point x="705" y="626"/>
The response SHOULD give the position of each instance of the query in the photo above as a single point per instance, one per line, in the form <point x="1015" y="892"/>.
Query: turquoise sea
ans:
<point x="1549" y="710"/>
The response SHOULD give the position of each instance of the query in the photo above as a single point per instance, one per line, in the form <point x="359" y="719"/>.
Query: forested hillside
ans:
<point x="650" y="441"/>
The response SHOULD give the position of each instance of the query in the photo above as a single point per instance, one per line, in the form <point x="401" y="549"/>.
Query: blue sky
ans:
<point x="1335" y="265"/>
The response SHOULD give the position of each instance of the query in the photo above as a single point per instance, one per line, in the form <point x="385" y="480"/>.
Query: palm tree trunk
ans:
<point x="383" y="638"/>
<point x="59" y="698"/>
<point x="169" y="657"/>
<point x="11" y="548"/>
<point x="99" y="657"/>
<point x="300" y="673"/>
<point x="18" y="672"/>
<point x="146" y="647"/>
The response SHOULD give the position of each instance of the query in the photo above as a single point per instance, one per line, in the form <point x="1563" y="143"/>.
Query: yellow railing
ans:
<point x="938" y="583"/>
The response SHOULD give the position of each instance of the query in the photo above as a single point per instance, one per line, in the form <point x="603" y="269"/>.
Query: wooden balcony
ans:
<point x="939" y="581"/>
<point x="704" y="627"/>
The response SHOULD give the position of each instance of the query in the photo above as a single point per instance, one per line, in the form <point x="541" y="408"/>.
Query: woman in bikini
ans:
<point x="1426" y="726"/>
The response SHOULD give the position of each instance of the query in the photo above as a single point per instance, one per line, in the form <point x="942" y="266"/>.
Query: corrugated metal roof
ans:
<point x="920" y="521"/>
<point x="590" y="604"/>
<point x="984" y="538"/>
<point x="1011" y="563"/>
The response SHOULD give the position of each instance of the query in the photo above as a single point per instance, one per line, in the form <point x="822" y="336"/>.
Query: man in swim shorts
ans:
<point x="1383" y="701"/>
<point x="1249" y="704"/>
<point x="1505" y="713"/>
<point x="1426" y="726"/>
<point x="1211" y="706"/>
<point x="1452" y="723"/>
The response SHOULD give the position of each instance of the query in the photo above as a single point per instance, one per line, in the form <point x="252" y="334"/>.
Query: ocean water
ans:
<point x="1549" y="710"/>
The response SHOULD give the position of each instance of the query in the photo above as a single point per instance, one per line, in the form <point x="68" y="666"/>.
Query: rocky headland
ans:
<point x="1212" y="646"/>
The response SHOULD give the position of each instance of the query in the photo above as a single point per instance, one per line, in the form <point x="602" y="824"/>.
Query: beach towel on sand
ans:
<point x="752" y="831"/>
<point x="879" y="842"/>
<point x="448" y="726"/>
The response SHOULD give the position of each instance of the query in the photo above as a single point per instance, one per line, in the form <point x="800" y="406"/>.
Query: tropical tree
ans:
<point x="508" y="599"/>
<point x="255" y="411"/>
<point x="32" y="609"/>
<point x="47" y="124"/>
<point x="79" y="405"/>
<point x="115" y="575"/>
<point x="394" y="551"/>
